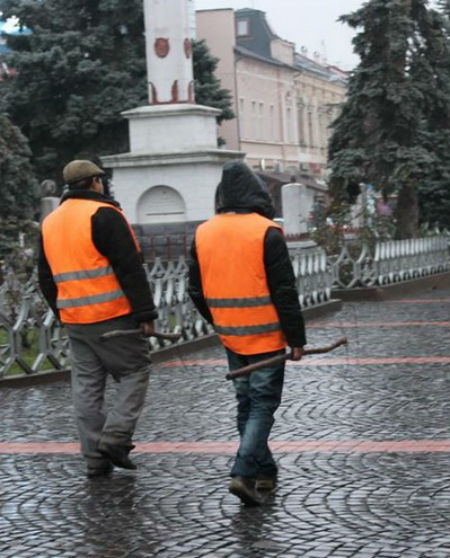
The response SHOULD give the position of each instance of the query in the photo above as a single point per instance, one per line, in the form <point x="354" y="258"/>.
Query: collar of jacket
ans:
<point x="84" y="194"/>
<point x="241" y="210"/>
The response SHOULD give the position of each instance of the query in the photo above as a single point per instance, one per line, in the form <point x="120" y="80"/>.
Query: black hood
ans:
<point x="241" y="190"/>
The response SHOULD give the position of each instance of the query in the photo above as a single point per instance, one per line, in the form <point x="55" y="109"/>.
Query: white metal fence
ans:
<point x="32" y="341"/>
<point x="390" y="262"/>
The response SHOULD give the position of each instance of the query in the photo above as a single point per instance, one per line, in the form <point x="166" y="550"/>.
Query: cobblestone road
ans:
<point x="362" y="438"/>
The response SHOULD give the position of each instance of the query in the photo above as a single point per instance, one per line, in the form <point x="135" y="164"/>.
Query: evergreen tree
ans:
<point x="207" y="87"/>
<point x="18" y="186"/>
<point x="431" y="70"/>
<point x="383" y="133"/>
<point x="82" y="65"/>
<point x="434" y="193"/>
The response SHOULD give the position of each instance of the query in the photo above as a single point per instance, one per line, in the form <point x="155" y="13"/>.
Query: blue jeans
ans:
<point x="258" y="397"/>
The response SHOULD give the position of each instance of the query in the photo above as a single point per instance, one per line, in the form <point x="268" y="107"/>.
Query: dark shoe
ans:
<point x="244" y="488"/>
<point x="266" y="483"/>
<point x="118" y="455"/>
<point x="104" y="471"/>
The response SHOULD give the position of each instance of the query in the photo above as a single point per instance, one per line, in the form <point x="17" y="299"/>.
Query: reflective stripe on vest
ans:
<point x="89" y="300"/>
<point x="248" y="330"/>
<point x="87" y="289"/>
<point x="238" y="302"/>
<point x="86" y="274"/>
<point x="230" y="250"/>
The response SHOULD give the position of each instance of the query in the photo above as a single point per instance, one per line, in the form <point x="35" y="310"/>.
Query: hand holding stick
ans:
<point x="157" y="334"/>
<point x="281" y="358"/>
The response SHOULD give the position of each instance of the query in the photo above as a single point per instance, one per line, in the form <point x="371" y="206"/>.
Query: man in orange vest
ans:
<point x="241" y="280"/>
<point x="91" y="274"/>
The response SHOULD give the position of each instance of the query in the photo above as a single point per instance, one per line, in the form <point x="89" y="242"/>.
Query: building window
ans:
<point x="289" y="134"/>
<point x="289" y="126"/>
<point x="272" y="134"/>
<point x="312" y="138"/>
<point x="300" y="123"/>
<point x="261" y="121"/>
<point x="254" y="118"/>
<point x="242" y="118"/>
<point x="243" y="28"/>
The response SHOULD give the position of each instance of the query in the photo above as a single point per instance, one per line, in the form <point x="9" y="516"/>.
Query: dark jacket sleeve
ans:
<point x="283" y="291"/>
<point x="112" y="238"/>
<point x="45" y="279"/>
<point x="195" y="288"/>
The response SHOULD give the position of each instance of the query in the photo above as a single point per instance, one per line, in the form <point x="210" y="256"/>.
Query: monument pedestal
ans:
<point x="172" y="170"/>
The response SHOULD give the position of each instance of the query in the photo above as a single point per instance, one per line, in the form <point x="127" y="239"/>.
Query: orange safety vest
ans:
<point x="88" y="291"/>
<point x="230" y="250"/>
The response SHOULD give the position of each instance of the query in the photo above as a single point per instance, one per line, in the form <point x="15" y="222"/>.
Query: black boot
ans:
<point x="244" y="488"/>
<point x="117" y="454"/>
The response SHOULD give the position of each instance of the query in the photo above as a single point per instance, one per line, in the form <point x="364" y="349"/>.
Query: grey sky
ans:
<point x="309" y="23"/>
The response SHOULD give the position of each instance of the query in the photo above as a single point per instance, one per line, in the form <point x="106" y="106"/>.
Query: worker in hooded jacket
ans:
<point x="242" y="281"/>
<point x="91" y="273"/>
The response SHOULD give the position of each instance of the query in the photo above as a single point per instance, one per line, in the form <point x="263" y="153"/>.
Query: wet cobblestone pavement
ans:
<point x="362" y="439"/>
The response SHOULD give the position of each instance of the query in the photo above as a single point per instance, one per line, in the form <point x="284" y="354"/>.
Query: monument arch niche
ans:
<point x="161" y="204"/>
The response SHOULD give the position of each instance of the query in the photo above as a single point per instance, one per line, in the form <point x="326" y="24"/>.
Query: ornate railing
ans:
<point x="389" y="262"/>
<point x="32" y="341"/>
<point x="402" y="260"/>
<point x="313" y="277"/>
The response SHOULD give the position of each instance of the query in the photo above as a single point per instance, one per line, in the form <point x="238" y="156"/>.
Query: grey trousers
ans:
<point x="127" y="359"/>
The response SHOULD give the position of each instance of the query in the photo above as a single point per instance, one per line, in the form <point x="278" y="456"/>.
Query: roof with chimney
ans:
<point x="257" y="44"/>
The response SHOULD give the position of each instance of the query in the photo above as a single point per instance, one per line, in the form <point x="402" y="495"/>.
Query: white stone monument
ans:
<point x="296" y="206"/>
<point x="49" y="201"/>
<point x="174" y="165"/>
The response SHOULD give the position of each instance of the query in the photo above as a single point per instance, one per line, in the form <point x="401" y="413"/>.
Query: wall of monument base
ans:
<point x="166" y="240"/>
<point x="194" y="182"/>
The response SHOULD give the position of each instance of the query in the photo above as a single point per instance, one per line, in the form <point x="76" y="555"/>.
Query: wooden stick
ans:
<point x="281" y="358"/>
<point x="157" y="334"/>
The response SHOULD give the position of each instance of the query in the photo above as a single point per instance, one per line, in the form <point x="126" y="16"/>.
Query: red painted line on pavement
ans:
<point x="418" y="301"/>
<point x="370" y="360"/>
<point x="39" y="447"/>
<point x="322" y="361"/>
<point x="196" y="362"/>
<point x="358" y="324"/>
<point x="364" y="446"/>
<point x="217" y="447"/>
